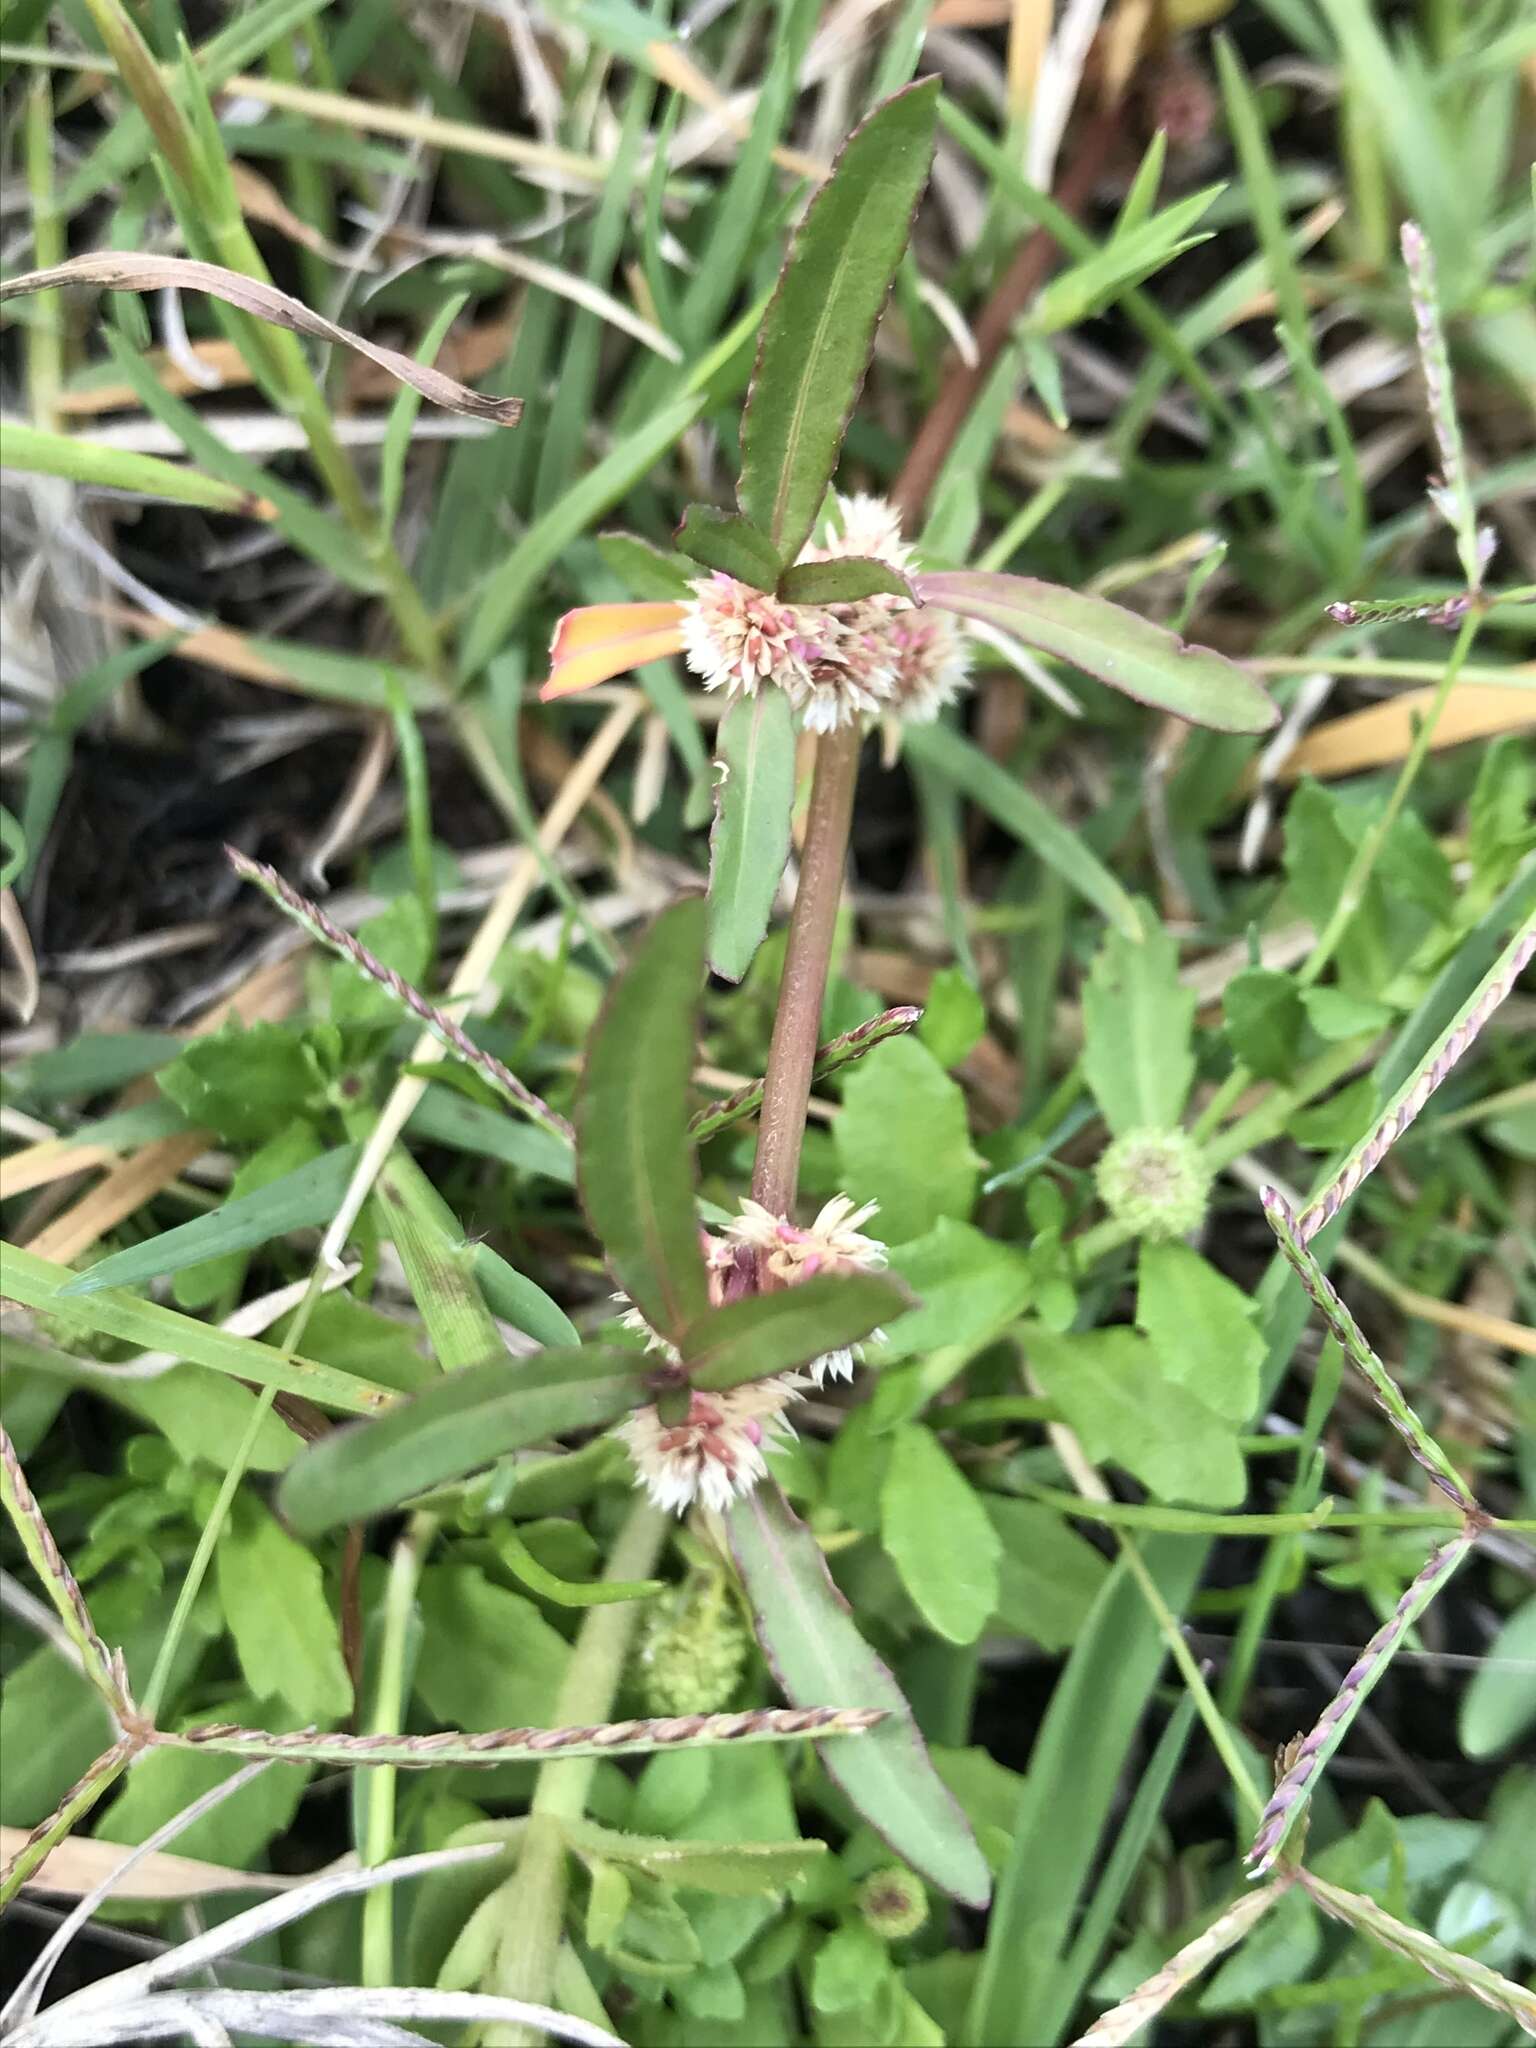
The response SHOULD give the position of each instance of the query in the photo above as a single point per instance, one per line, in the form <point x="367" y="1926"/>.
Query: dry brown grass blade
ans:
<point x="133" y="271"/>
<point x="1384" y="732"/>
<point x="78" y="1864"/>
<point x="220" y="361"/>
<point x="126" y="1187"/>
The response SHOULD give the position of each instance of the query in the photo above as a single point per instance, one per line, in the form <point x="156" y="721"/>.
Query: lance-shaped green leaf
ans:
<point x="820" y="325"/>
<point x="843" y="580"/>
<point x="726" y="541"/>
<point x="309" y="1195"/>
<point x="820" y="1658"/>
<point x="634" y="1161"/>
<point x="769" y="1333"/>
<point x="1130" y="653"/>
<point x="454" y="1427"/>
<point x="750" y="842"/>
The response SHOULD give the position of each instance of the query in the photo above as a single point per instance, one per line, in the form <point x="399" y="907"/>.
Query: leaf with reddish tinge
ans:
<point x="820" y="1659"/>
<point x="1130" y="653"/>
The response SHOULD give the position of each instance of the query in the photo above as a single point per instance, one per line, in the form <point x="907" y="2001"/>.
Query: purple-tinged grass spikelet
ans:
<point x="1123" y="2022"/>
<point x="837" y="1052"/>
<point x="1314" y="1749"/>
<point x="1451" y="1046"/>
<point x="1441" y="611"/>
<point x="1421" y="1445"/>
<point x="497" y="1745"/>
<point x="443" y="1028"/>
<point x="1447" y="1966"/>
<point x="1454" y="496"/>
<point x="63" y="1589"/>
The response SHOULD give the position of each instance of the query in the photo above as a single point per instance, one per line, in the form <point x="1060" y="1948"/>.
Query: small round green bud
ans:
<point x="692" y="1650"/>
<point x="1155" y="1182"/>
<point x="892" y="1902"/>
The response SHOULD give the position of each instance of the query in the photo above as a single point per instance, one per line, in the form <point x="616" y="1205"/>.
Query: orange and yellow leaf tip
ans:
<point x="600" y="641"/>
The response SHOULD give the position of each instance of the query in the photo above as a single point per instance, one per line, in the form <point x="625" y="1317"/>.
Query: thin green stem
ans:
<point x="45" y="332"/>
<point x="1116" y="1514"/>
<point x="377" y="1788"/>
<point x="535" y="1901"/>
<point x="797" y="1024"/>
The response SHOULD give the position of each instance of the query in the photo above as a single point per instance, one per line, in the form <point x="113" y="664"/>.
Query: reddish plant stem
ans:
<point x="1032" y="264"/>
<point x="797" y="1026"/>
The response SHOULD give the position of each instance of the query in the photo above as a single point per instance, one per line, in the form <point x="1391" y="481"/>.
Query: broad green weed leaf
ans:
<point x="237" y="1831"/>
<point x="750" y="843"/>
<point x="936" y="1529"/>
<point x="309" y="1195"/>
<point x="849" y="1965"/>
<point x="770" y="1333"/>
<point x="1111" y="1390"/>
<point x="453" y="1427"/>
<point x="967" y="1285"/>
<point x="976" y="775"/>
<point x="729" y="543"/>
<point x="273" y="1597"/>
<point x="635" y="1165"/>
<point x="954" y="1016"/>
<point x="903" y="1140"/>
<point x="488" y="1657"/>
<point x="1201" y="1328"/>
<point x="1500" y="1703"/>
<point x="1137" y="1027"/>
<point x="820" y="324"/>
<point x="1264" y="1019"/>
<point x="1048" y="1576"/>
<point x="842" y="581"/>
<point x="243" y="1083"/>
<point x="1130" y="653"/>
<point x="820" y="1659"/>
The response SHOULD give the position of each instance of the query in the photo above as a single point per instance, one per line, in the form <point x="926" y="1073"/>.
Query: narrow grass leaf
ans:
<point x="820" y="1658"/>
<point x="439" y="1264"/>
<point x="750" y="841"/>
<point x="36" y="451"/>
<point x="635" y="1164"/>
<point x="306" y="1197"/>
<point x="456" y="1426"/>
<point x="38" y="1283"/>
<point x="521" y="1301"/>
<point x="772" y="1333"/>
<point x="977" y="776"/>
<point x="729" y="543"/>
<point x="1130" y="653"/>
<point x="820" y="325"/>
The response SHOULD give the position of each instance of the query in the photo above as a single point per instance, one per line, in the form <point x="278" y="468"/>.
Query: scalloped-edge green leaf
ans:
<point x="1130" y="653"/>
<point x="453" y="1427"/>
<point x="820" y="1659"/>
<point x="635" y="1163"/>
<point x="769" y="1333"/>
<point x="729" y="543"/>
<point x="820" y="325"/>
<point x="843" y="580"/>
<point x="309" y="1195"/>
<point x="749" y="845"/>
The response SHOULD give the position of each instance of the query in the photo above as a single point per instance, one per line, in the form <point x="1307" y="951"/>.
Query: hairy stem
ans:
<point x="797" y="1025"/>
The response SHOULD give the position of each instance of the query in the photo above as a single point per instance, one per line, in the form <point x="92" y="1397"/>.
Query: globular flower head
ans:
<point x="892" y="1902"/>
<point x="1155" y="1182"/>
<point x="790" y="1252"/>
<point x="736" y="638"/>
<point x="716" y="1453"/>
<point x="921" y="646"/>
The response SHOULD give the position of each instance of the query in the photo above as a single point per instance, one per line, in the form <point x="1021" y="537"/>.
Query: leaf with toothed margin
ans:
<point x="843" y="580"/>
<point x="729" y="543"/>
<point x="750" y="841"/>
<point x="635" y="1163"/>
<point x="820" y="325"/>
<point x="770" y="1333"/>
<point x="1130" y="653"/>
<point x="820" y="1659"/>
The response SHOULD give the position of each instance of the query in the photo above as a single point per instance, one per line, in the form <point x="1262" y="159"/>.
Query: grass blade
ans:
<point x="750" y="843"/>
